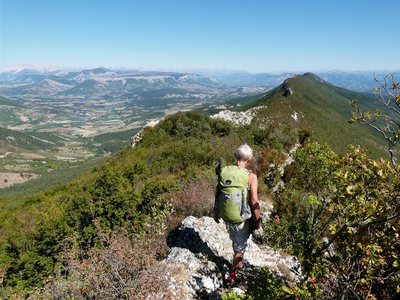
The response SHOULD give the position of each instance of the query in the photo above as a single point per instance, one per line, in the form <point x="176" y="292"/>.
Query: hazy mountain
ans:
<point x="356" y="81"/>
<point x="44" y="88"/>
<point x="240" y="79"/>
<point x="100" y="82"/>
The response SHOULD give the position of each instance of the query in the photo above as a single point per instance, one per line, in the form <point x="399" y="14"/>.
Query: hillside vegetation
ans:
<point x="12" y="139"/>
<point x="141" y="192"/>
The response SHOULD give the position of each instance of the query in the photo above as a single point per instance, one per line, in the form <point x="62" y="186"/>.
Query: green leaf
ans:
<point x="349" y="189"/>
<point x="354" y="101"/>
<point x="288" y="290"/>
<point x="313" y="200"/>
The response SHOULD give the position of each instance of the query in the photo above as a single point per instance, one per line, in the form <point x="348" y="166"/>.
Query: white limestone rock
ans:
<point x="203" y="250"/>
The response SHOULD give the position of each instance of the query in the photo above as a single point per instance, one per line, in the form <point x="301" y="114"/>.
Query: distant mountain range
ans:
<point x="356" y="81"/>
<point x="54" y="83"/>
<point x="111" y="84"/>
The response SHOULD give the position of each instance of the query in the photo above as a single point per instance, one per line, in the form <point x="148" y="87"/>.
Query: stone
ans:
<point x="238" y="291"/>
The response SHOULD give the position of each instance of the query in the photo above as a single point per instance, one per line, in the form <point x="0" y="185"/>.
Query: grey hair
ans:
<point x="243" y="152"/>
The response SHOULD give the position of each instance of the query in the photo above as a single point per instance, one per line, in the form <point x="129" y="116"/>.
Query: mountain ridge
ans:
<point x="310" y="103"/>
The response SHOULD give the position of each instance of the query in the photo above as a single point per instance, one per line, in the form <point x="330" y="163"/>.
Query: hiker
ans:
<point x="236" y="202"/>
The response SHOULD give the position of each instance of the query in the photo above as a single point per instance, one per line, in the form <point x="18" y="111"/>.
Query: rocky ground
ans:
<point x="238" y="117"/>
<point x="197" y="266"/>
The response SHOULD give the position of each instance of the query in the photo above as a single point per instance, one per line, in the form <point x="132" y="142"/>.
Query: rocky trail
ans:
<point x="198" y="264"/>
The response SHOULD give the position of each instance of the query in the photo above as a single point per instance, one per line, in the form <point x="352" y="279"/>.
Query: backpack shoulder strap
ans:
<point x="218" y="167"/>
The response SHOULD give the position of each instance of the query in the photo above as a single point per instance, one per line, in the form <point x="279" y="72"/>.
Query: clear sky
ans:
<point x="257" y="36"/>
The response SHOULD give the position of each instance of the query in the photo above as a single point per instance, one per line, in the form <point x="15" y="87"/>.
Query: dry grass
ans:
<point x="197" y="199"/>
<point x="126" y="268"/>
<point x="268" y="156"/>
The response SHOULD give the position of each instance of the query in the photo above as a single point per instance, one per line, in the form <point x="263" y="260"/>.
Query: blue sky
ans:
<point x="257" y="36"/>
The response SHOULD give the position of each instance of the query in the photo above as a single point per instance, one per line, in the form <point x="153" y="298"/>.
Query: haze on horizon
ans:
<point x="254" y="36"/>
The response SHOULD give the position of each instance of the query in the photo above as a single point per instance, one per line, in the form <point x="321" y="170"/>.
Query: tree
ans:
<point x="386" y="123"/>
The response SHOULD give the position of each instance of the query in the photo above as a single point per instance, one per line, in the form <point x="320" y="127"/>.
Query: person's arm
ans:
<point x="254" y="204"/>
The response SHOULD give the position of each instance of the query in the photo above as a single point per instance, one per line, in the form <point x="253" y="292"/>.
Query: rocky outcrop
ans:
<point x="281" y="168"/>
<point x="138" y="136"/>
<point x="200" y="257"/>
<point x="238" y="117"/>
<point x="288" y="92"/>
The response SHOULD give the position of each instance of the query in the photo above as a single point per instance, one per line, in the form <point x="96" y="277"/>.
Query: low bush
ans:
<point x="124" y="268"/>
<point x="196" y="199"/>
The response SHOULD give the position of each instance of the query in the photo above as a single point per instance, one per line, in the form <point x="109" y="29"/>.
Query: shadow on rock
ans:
<point x="190" y="239"/>
<point x="204" y="248"/>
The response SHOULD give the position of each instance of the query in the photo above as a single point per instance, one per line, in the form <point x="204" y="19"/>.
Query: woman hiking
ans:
<point x="236" y="202"/>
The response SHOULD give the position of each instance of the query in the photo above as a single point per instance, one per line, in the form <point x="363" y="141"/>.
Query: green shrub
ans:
<point x="338" y="216"/>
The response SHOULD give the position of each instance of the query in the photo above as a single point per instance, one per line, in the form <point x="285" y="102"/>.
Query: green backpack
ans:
<point x="232" y="194"/>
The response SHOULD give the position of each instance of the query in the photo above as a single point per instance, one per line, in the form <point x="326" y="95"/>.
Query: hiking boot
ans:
<point x="232" y="277"/>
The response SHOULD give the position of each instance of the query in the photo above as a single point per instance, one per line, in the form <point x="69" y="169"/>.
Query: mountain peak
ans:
<point x="312" y="76"/>
<point x="303" y="79"/>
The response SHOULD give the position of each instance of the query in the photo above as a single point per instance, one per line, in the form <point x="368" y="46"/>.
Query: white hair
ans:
<point x="243" y="152"/>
